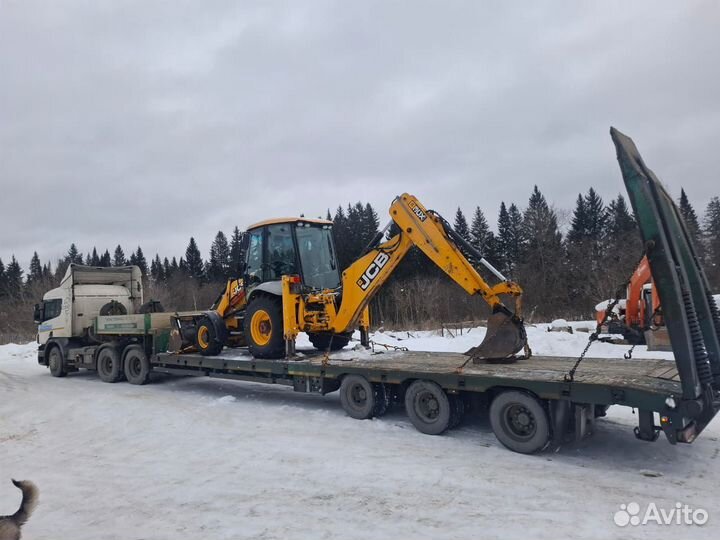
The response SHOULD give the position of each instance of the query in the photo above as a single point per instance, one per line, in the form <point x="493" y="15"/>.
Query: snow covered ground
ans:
<point x="195" y="458"/>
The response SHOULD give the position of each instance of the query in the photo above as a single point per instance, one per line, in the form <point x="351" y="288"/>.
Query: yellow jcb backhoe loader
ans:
<point x="291" y="283"/>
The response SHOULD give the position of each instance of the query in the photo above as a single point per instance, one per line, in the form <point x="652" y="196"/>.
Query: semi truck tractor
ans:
<point x="96" y="319"/>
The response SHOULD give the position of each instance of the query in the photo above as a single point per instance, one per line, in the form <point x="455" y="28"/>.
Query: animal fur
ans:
<point x="10" y="525"/>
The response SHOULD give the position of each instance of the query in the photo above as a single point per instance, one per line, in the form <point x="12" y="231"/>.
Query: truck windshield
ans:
<point x="317" y="257"/>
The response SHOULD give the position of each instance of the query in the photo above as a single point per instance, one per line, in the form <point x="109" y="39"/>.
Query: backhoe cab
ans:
<point x="291" y="283"/>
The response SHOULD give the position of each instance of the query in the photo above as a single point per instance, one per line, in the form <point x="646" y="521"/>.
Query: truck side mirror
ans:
<point x="37" y="314"/>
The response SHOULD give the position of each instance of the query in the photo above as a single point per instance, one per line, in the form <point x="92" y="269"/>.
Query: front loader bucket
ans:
<point x="504" y="338"/>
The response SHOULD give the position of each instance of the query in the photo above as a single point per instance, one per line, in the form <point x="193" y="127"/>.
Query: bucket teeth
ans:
<point x="505" y="337"/>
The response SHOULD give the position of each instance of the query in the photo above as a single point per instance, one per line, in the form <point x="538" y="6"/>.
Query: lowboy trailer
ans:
<point x="532" y="402"/>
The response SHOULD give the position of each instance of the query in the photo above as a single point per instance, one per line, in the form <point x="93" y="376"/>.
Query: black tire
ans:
<point x="137" y="366"/>
<point x="362" y="399"/>
<point x="109" y="367"/>
<point x="209" y="338"/>
<point x="113" y="308"/>
<point x="520" y="422"/>
<point x="327" y="341"/>
<point x="264" y="314"/>
<point x="457" y="409"/>
<point x="428" y="407"/>
<point x="56" y="361"/>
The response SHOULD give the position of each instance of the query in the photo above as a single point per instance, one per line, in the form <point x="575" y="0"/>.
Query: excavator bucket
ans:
<point x="504" y="338"/>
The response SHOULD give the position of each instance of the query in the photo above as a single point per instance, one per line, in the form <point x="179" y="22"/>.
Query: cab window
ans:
<point x="280" y="252"/>
<point x="254" y="268"/>
<point x="51" y="309"/>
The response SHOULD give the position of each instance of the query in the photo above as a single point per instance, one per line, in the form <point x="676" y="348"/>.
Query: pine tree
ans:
<point x="370" y="224"/>
<point x="88" y="260"/>
<point x="517" y="235"/>
<point x="237" y="254"/>
<point x="157" y="271"/>
<point x="74" y="256"/>
<point x="540" y="267"/>
<point x="105" y="260"/>
<point x="504" y="239"/>
<point x="3" y="280"/>
<point x="711" y="232"/>
<point x="479" y="232"/>
<point x="14" y="279"/>
<point x="36" y="270"/>
<point x="461" y="225"/>
<point x="119" y="258"/>
<point x="138" y="259"/>
<point x="579" y="225"/>
<point x="167" y="270"/>
<point x="219" y="264"/>
<point x="194" y="261"/>
<point x="691" y="220"/>
<point x="94" y="258"/>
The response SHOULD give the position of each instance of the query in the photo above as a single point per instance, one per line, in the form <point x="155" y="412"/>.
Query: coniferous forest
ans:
<point x="566" y="262"/>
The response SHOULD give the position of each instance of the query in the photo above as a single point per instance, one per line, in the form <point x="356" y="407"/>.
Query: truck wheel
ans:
<point x="263" y="327"/>
<point x="137" y="365"/>
<point x="428" y="407"/>
<point x="208" y="338"/>
<point x="327" y="341"/>
<point x="520" y="422"/>
<point x="56" y="362"/>
<point x="362" y="399"/>
<point x="108" y="365"/>
<point x="457" y="409"/>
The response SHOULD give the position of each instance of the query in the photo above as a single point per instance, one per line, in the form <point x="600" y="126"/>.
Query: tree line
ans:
<point x="564" y="269"/>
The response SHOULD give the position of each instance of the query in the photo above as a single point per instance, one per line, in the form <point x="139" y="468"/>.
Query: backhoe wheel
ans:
<point x="362" y="399"/>
<point x="328" y="341"/>
<point x="264" y="327"/>
<point x="56" y="362"/>
<point x="208" y="338"/>
<point x="109" y="367"/>
<point x="520" y="422"/>
<point x="137" y="365"/>
<point x="428" y="407"/>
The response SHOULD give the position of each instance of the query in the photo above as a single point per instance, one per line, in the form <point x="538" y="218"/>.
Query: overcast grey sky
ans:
<point x="147" y="122"/>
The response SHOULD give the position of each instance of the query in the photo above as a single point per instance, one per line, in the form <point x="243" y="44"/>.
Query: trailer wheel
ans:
<point x="362" y="399"/>
<point x="520" y="422"/>
<point x="457" y="409"/>
<point x="428" y="407"/>
<point x="137" y="365"/>
<point x="108" y="365"/>
<point x="56" y="362"/>
<point x="263" y="327"/>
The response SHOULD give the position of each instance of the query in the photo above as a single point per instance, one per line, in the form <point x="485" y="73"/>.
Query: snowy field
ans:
<point x="198" y="458"/>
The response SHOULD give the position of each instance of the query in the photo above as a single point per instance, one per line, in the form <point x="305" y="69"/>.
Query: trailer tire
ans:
<point x="56" y="361"/>
<point x="457" y="409"/>
<point x="263" y="327"/>
<point x="109" y="367"/>
<point x="428" y="407"/>
<point x="137" y="366"/>
<point x="362" y="399"/>
<point x="520" y="422"/>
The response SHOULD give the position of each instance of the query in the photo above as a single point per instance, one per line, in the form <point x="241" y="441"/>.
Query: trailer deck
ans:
<point x="638" y="383"/>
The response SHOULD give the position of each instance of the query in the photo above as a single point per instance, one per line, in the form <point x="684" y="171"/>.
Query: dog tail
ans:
<point x="29" y="501"/>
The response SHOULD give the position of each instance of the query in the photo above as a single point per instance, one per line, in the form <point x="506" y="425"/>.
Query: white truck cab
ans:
<point x="70" y="310"/>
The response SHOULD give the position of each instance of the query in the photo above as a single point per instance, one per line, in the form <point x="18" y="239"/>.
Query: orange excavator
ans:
<point x="639" y="317"/>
